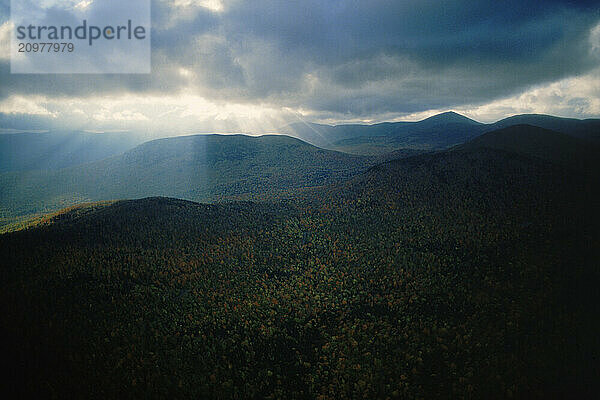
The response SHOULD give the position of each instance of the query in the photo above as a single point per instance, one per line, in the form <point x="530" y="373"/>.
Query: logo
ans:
<point x="89" y="36"/>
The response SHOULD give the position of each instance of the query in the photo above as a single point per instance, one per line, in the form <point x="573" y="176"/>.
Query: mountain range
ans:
<point x="201" y="167"/>
<point x="55" y="149"/>
<point x="435" y="133"/>
<point x="210" y="168"/>
<point x="470" y="270"/>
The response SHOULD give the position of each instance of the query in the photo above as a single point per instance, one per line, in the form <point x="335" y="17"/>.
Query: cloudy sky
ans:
<point x="255" y="65"/>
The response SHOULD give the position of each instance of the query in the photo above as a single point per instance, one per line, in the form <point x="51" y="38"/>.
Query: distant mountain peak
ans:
<point x="450" y="117"/>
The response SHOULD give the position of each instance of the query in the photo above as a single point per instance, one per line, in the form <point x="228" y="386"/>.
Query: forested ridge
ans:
<point x="469" y="273"/>
<point x="204" y="168"/>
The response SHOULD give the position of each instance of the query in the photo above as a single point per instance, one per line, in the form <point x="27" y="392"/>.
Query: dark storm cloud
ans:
<point x="353" y="57"/>
<point x="409" y="56"/>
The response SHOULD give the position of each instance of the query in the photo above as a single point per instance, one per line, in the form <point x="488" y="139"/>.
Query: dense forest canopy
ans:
<point x="465" y="273"/>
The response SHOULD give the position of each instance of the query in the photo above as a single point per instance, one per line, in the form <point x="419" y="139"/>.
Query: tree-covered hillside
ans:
<point x="468" y="274"/>
<point x="201" y="168"/>
<point x="559" y="148"/>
